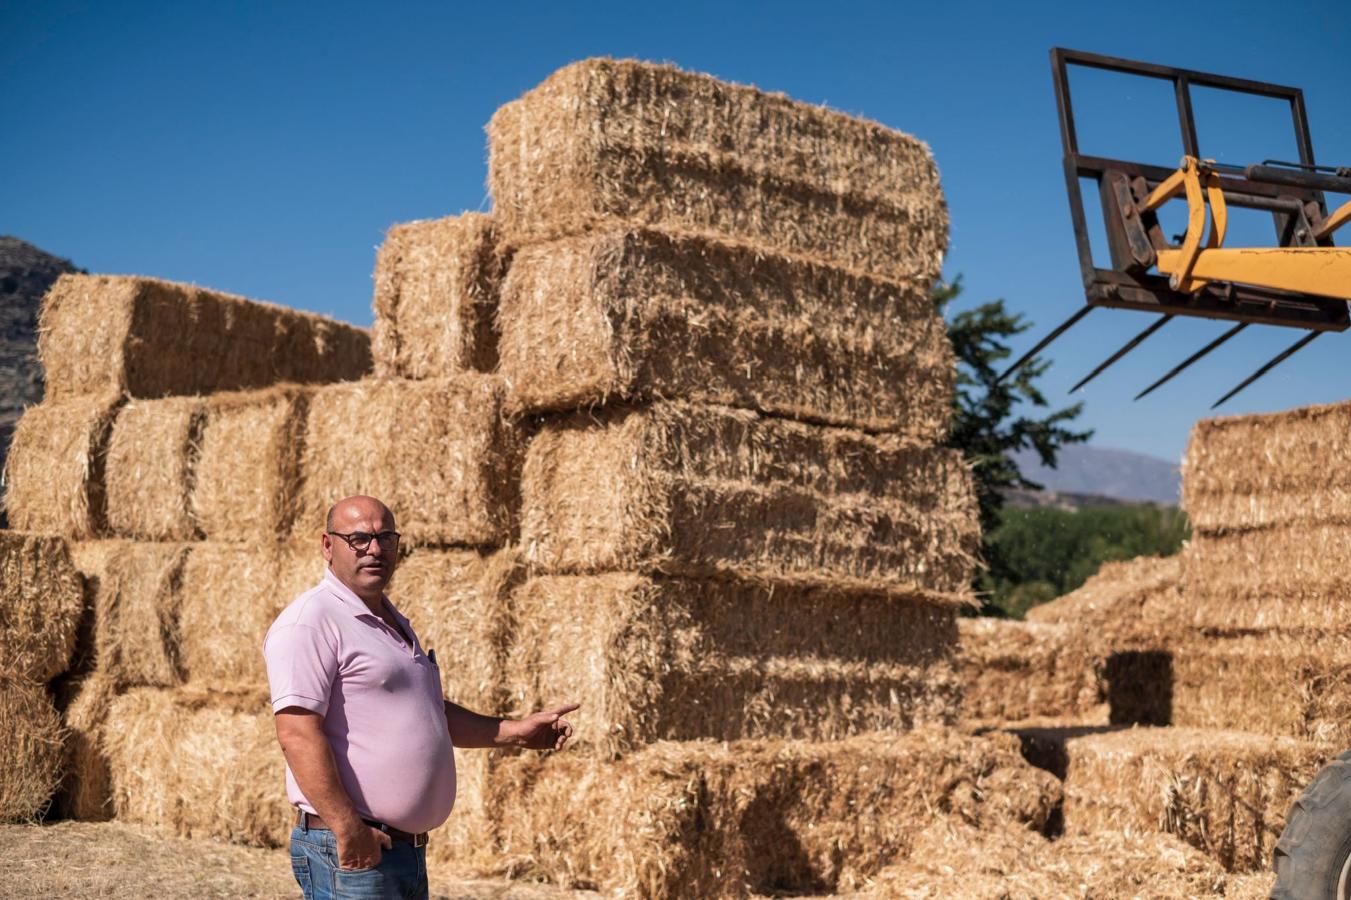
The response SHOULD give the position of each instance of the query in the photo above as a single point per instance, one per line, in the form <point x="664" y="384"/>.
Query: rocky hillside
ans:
<point x="25" y="274"/>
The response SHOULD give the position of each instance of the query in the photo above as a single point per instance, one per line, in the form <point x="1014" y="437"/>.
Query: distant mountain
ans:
<point x="25" y="274"/>
<point x="1116" y="474"/>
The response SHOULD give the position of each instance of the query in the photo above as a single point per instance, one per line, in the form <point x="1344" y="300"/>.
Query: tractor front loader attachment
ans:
<point x="1301" y="281"/>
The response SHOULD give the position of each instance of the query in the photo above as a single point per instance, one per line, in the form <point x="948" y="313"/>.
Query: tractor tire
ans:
<point x="1313" y="856"/>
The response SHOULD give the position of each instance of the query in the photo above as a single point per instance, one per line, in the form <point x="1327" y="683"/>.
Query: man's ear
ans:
<point x="326" y="546"/>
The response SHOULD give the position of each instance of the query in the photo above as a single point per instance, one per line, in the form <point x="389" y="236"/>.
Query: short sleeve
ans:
<point x="301" y="666"/>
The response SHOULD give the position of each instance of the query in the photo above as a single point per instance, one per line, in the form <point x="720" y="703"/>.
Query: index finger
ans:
<point x="564" y="709"/>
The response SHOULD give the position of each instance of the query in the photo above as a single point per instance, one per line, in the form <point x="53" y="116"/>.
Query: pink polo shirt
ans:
<point x="380" y="699"/>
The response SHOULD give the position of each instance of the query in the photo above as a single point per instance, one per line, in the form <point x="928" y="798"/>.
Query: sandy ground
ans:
<point x="106" y="859"/>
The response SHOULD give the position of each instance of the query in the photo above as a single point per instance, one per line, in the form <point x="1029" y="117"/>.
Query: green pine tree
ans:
<point x="991" y="420"/>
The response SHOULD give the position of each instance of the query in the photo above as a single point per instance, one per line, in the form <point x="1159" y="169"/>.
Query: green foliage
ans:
<point x="1050" y="552"/>
<point x="991" y="420"/>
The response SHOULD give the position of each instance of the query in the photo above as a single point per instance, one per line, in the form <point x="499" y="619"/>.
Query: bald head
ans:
<point x="359" y="506"/>
<point x="366" y="567"/>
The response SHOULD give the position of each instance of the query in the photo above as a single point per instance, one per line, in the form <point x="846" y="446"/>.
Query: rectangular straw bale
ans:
<point x="656" y="658"/>
<point x="702" y="819"/>
<point x="952" y="859"/>
<point x="1223" y="792"/>
<point x="1292" y="577"/>
<point x="1013" y="671"/>
<point x="1115" y="592"/>
<point x="31" y="749"/>
<point x="1292" y="684"/>
<point x="136" y="617"/>
<point x="199" y="763"/>
<point x="54" y="474"/>
<point x="1250" y="471"/>
<point x="458" y="603"/>
<point x="86" y="782"/>
<point x="152" y="457"/>
<point x="704" y="490"/>
<point x="436" y="285"/>
<point x="301" y="566"/>
<point x="226" y="598"/>
<point x="438" y="452"/>
<point x="157" y="338"/>
<point x="247" y="473"/>
<point x="604" y="141"/>
<point x="636" y="314"/>
<point x="42" y="606"/>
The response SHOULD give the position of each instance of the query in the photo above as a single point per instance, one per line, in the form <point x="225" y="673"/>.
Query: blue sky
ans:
<point x="264" y="149"/>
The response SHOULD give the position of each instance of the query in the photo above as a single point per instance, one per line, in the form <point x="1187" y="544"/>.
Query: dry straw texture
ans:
<point x="656" y="658"/>
<point x="1225" y="793"/>
<point x="155" y="338"/>
<point x="638" y="313"/>
<point x="604" y="141"/>
<point x="85" y="787"/>
<point x="1297" y="685"/>
<point x="703" y="490"/>
<point x="1288" y="577"/>
<point x="1115" y="593"/>
<point x="41" y="601"/>
<point x="136" y="613"/>
<point x="225" y="597"/>
<point x="955" y="860"/>
<point x="203" y="764"/>
<point x="54" y="470"/>
<point x="247" y="473"/>
<point x="436" y="285"/>
<point x="31" y="745"/>
<point x="717" y="820"/>
<point x="1244" y="472"/>
<point x="151" y="458"/>
<point x="1013" y="671"/>
<point x="458" y="604"/>
<point x="437" y="452"/>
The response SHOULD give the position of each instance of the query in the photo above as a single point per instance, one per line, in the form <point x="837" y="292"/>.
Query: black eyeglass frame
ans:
<point x="379" y="537"/>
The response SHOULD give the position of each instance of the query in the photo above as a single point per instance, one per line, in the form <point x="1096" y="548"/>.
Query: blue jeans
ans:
<point x="401" y="875"/>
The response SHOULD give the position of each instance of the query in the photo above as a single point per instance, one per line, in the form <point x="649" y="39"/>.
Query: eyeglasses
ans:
<point x="359" y="541"/>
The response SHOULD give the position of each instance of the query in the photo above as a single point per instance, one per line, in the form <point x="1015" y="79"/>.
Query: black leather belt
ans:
<point x="310" y="820"/>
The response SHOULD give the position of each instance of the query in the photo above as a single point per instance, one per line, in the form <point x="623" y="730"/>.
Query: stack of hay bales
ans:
<point x="1238" y="646"/>
<point x="39" y="622"/>
<point x="662" y="434"/>
<point x="708" y="307"/>
<point x="166" y="449"/>
<point x="1077" y="660"/>
<point x="1264" y="576"/>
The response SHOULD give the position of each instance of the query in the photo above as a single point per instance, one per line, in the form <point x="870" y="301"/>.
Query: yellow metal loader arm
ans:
<point x="1324" y="271"/>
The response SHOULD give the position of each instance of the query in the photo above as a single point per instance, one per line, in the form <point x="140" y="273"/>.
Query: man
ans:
<point x="367" y="734"/>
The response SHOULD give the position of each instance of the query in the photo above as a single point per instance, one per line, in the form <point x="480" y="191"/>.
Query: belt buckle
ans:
<point x="420" y="840"/>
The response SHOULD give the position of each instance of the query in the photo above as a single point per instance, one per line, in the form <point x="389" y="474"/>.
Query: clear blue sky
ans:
<point x="263" y="148"/>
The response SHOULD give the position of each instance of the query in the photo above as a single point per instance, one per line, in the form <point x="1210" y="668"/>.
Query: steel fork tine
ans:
<point x="1059" y="330"/>
<point x="1271" y="364"/>
<point x="1125" y="348"/>
<point x="1193" y="358"/>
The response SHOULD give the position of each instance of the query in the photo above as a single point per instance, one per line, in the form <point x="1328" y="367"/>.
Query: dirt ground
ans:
<point x="81" y="860"/>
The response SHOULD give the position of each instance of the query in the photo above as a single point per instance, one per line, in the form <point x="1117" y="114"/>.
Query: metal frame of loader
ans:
<point x="1130" y="192"/>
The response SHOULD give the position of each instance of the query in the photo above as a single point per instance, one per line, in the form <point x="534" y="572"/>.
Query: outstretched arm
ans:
<point x="544" y="730"/>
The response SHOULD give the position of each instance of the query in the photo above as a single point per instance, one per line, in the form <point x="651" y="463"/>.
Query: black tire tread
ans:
<point x="1331" y="784"/>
